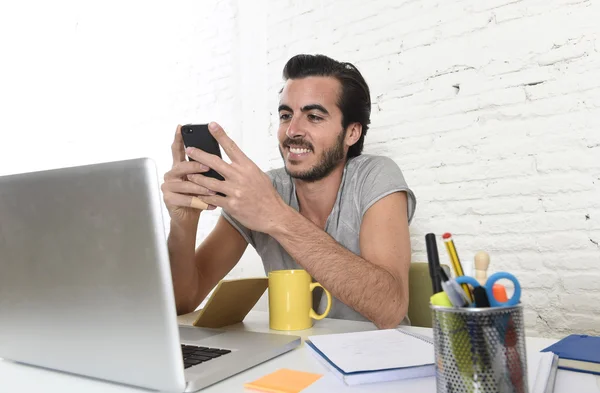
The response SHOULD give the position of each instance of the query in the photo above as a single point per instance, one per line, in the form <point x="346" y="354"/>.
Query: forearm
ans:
<point x="181" y="244"/>
<point x="368" y="288"/>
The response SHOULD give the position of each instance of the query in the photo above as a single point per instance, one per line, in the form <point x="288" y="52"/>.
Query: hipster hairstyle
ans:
<point x="355" y="99"/>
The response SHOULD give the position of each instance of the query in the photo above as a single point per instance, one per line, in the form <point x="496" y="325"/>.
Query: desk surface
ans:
<point x="19" y="378"/>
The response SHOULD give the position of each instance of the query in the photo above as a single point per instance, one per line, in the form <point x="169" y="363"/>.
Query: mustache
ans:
<point x="297" y="142"/>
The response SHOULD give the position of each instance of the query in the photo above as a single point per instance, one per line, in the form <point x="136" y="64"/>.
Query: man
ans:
<point x="340" y="215"/>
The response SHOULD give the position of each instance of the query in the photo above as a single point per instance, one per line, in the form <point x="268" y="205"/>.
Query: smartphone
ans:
<point x="198" y="136"/>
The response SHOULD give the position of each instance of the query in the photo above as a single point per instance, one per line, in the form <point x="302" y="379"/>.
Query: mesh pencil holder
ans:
<point x="480" y="349"/>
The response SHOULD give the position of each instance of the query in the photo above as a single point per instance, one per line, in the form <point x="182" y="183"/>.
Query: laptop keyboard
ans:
<point x="193" y="355"/>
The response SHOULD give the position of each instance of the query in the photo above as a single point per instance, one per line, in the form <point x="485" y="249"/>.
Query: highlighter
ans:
<point x="440" y="299"/>
<point x="499" y="293"/>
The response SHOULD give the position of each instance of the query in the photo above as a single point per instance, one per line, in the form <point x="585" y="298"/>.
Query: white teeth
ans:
<point x="296" y="150"/>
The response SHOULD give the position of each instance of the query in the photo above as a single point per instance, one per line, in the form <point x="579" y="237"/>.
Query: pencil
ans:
<point x="456" y="262"/>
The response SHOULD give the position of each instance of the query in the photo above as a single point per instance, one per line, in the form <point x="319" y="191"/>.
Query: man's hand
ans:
<point x="250" y="196"/>
<point x="177" y="189"/>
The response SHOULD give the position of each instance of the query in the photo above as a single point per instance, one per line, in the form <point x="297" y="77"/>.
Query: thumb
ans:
<point x="177" y="148"/>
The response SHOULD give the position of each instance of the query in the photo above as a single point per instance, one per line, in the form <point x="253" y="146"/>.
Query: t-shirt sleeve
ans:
<point x="379" y="177"/>
<point x="245" y="232"/>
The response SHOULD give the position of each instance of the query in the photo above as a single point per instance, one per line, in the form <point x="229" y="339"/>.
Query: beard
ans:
<point x="329" y="159"/>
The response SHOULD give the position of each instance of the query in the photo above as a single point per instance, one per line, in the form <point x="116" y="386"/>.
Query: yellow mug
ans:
<point x="290" y="300"/>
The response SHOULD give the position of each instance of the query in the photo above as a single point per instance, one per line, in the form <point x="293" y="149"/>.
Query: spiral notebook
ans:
<point x="375" y="356"/>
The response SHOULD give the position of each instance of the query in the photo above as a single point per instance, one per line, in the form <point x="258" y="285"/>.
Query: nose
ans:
<point x="294" y="129"/>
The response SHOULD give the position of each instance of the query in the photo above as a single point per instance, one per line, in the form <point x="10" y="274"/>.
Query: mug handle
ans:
<point x="312" y="312"/>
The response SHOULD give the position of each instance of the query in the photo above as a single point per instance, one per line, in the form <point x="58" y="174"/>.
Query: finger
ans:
<point x="185" y="168"/>
<point x="211" y="161"/>
<point x="211" y="183"/>
<point x="177" y="148"/>
<point x="198" y="203"/>
<point x="180" y="200"/>
<point x="186" y="187"/>
<point x="231" y="148"/>
<point x="215" y="200"/>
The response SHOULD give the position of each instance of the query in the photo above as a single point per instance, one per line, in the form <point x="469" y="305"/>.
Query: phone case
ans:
<point x="229" y="303"/>
<point x="198" y="136"/>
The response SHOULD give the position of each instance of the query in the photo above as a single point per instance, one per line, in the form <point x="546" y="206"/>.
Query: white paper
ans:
<point x="374" y="350"/>
<point x="543" y="372"/>
<point x="571" y="381"/>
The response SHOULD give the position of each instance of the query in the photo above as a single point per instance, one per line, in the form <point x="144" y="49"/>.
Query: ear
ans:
<point x="353" y="133"/>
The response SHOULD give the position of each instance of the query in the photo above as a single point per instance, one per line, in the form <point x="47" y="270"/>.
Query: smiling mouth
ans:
<point x="299" y="150"/>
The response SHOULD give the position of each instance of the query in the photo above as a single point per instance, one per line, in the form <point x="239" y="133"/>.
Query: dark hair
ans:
<point x="354" y="101"/>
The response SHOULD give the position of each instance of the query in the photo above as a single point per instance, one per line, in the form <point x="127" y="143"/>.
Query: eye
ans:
<point x="314" y="118"/>
<point x="284" y="116"/>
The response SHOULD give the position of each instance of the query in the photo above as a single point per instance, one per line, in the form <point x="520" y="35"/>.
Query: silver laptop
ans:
<point x="85" y="284"/>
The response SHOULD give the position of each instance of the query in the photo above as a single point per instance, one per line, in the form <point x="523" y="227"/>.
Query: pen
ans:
<point x="456" y="262"/>
<point x="433" y="259"/>
<point x="481" y="298"/>
<point x="455" y="293"/>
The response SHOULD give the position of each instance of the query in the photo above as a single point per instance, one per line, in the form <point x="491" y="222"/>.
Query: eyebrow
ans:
<point x="305" y="108"/>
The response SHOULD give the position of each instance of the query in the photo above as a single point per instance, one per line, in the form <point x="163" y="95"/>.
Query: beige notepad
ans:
<point x="228" y="304"/>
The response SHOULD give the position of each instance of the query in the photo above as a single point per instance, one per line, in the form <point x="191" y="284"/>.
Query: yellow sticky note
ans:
<point x="283" y="381"/>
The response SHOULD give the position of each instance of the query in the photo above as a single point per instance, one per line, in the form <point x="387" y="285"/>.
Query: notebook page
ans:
<point x="374" y="350"/>
<point x="543" y="372"/>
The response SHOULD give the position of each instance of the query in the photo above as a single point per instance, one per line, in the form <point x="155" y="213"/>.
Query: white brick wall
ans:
<point x="491" y="108"/>
<point x="83" y="83"/>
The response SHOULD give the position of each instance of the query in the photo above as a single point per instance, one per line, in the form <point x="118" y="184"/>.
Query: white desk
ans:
<point x="19" y="378"/>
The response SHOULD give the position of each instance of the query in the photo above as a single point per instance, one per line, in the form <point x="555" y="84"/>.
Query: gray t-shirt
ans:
<point x="366" y="179"/>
